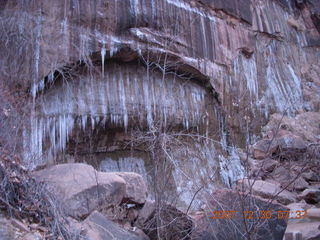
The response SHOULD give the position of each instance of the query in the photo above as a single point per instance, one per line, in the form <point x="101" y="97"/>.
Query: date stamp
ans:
<point x="261" y="214"/>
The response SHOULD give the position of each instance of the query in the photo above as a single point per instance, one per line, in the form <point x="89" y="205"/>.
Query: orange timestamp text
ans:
<point x="261" y="214"/>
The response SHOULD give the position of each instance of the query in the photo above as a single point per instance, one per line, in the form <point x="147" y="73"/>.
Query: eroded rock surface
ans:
<point x="310" y="195"/>
<point x="168" y="220"/>
<point x="216" y="68"/>
<point x="81" y="189"/>
<point x="219" y="69"/>
<point x="98" y="227"/>
<point x="267" y="190"/>
<point x="136" y="189"/>
<point x="211" y="226"/>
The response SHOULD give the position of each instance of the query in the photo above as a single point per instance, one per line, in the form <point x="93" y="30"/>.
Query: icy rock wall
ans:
<point x="245" y="49"/>
<point x="260" y="57"/>
<point x="123" y="96"/>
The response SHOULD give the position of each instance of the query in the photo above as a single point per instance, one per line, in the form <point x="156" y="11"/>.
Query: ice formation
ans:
<point x="123" y="96"/>
<point x="231" y="168"/>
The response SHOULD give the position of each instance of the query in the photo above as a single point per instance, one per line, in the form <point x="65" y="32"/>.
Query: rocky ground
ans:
<point x="76" y="201"/>
<point x="255" y="58"/>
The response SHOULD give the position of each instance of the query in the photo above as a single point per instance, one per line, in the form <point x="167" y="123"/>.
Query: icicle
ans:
<point x="147" y="102"/>
<point x="113" y="48"/>
<point x="103" y="55"/>
<point x="204" y="32"/>
<point x="51" y="77"/>
<point x="84" y="122"/>
<point x="92" y="122"/>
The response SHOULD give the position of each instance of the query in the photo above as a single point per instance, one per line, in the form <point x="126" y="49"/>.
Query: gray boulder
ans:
<point x="136" y="189"/>
<point x="80" y="189"/>
<point x="310" y="195"/>
<point x="97" y="227"/>
<point x="224" y="218"/>
<point x="266" y="190"/>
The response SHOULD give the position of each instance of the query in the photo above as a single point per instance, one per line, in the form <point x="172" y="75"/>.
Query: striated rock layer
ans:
<point x="217" y="69"/>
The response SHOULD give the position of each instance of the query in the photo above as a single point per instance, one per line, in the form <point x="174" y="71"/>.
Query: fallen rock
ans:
<point x="310" y="195"/>
<point x="263" y="148"/>
<point x="282" y="175"/>
<point x="290" y="146"/>
<point x="146" y="212"/>
<point x="13" y="229"/>
<point x="136" y="189"/>
<point x="308" y="230"/>
<point x="6" y="230"/>
<point x="98" y="227"/>
<point x="269" y="165"/>
<point x="299" y="184"/>
<point x="260" y="168"/>
<point x="294" y="210"/>
<point x="215" y="225"/>
<point x="19" y="225"/>
<point x="32" y="236"/>
<point x="289" y="178"/>
<point x="314" y="213"/>
<point x="174" y="224"/>
<point x="310" y="176"/>
<point x="297" y="206"/>
<point x="282" y="144"/>
<point x="266" y="190"/>
<point x="305" y="125"/>
<point x="81" y="189"/>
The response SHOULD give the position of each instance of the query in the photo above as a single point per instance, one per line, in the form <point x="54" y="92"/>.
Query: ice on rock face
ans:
<point x="186" y="6"/>
<point x="134" y="4"/>
<point x="124" y="164"/>
<point x="231" y="168"/>
<point x="222" y="130"/>
<point x="284" y="86"/>
<point x="189" y="180"/>
<point x="124" y="96"/>
<point x="246" y="71"/>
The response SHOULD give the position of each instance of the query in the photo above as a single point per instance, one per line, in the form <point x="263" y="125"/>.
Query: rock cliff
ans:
<point x="192" y="95"/>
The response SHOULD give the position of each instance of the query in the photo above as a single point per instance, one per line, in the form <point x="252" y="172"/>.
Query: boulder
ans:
<point x="215" y="226"/>
<point x="136" y="189"/>
<point x="6" y="230"/>
<point x="262" y="148"/>
<point x="266" y="190"/>
<point x="97" y="227"/>
<point x="297" y="206"/>
<point x="269" y="165"/>
<point x="174" y="224"/>
<point x="310" y="195"/>
<point x="299" y="184"/>
<point x="310" y="176"/>
<point x="290" y="145"/>
<point x="308" y="230"/>
<point x="261" y="168"/>
<point x="294" y="208"/>
<point x="282" y="144"/>
<point x="281" y="174"/>
<point x="314" y="213"/>
<point x="13" y="229"/>
<point x="33" y="236"/>
<point x="81" y="189"/>
<point x="19" y="225"/>
<point x="289" y="178"/>
<point x="305" y="125"/>
<point x="146" y="212"/>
